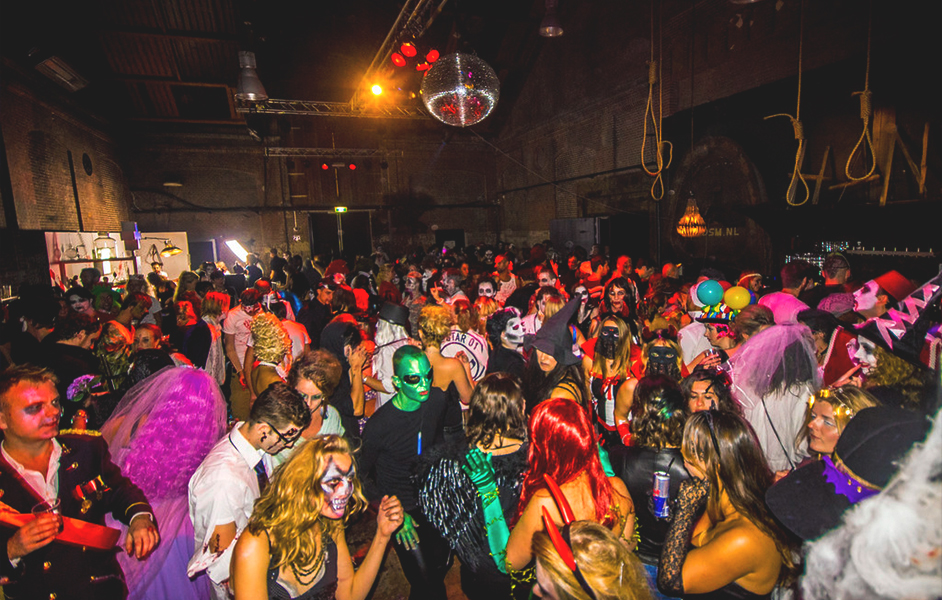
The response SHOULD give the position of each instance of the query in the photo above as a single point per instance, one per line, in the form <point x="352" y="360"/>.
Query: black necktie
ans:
<point x="261" y="475"/>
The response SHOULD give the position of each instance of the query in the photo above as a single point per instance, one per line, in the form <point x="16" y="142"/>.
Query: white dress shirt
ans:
<point x="45" y="487"/>
<point x="223" y="490"/>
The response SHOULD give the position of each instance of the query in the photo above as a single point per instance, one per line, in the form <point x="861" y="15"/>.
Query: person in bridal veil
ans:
<point x="158" y="435"/>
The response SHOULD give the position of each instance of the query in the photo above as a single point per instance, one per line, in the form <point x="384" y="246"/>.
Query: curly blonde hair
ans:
<point x="269" y="338"/>
<point x="434" y="324"/>
<point x="290" y="509"/>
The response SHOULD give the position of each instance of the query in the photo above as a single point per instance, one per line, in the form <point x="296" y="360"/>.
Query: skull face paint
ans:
<point x="413" y="377"/>
<point x="486" y="290"/>
<point x="607" y="343"/>
<point x="337" y="484"/>
<point x="513" y="331"/>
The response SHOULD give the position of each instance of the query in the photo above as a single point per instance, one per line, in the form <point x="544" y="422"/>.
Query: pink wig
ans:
<point x="164" y="427"/>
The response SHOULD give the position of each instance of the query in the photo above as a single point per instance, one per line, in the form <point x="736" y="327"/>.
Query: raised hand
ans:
<point x="390" y="516"/>
<point x="479" y="469"/>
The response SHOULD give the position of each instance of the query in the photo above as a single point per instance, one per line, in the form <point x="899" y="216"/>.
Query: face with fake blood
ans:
<point x="337" y="484"/>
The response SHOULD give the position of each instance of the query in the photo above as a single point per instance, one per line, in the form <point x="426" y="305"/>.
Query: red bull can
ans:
<point x="661" y="494"/>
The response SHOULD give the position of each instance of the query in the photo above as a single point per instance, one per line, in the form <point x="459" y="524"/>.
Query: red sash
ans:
<point x="75" y="532"/>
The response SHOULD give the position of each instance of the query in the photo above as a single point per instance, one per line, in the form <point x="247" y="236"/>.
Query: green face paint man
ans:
<point x="413" y="378"/>
<point x="413" y="381"/>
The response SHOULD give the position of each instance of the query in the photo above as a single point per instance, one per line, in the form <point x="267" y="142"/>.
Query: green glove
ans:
<point x="480" y="471"/>
<point x="407" y="535"/>
<point x="606" y="462"/>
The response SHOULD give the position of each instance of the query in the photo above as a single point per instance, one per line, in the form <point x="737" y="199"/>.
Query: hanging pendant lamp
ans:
<point x="691" y="224"/>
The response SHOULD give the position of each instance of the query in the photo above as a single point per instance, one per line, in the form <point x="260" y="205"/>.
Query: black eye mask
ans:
<point x="607" y="343"/>
<point x="663" y="355"/>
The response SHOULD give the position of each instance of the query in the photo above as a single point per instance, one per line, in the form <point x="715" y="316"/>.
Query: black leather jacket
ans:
<point x="636" y="467"/>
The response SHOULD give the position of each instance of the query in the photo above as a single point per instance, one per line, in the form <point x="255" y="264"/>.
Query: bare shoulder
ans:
<point x="250" y="546"/>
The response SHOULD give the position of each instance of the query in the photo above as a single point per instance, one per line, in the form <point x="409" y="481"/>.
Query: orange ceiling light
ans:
<point x="691" y="224"/>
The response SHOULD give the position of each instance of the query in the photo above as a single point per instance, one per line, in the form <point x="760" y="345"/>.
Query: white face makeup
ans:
<point x="866" y="297"/>
<point x="412" y="284"/>
<point x="866" y="355"/>
<point x="546" y="279"/>
<point x="486" y="290"/>
<point x="513" y="332"/>
<point x="337" y="484"/>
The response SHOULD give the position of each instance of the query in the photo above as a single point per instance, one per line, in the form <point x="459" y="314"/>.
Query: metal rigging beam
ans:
<point x="328" y="109"/>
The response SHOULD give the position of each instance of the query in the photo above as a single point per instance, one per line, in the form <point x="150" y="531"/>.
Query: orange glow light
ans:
<point x="376" y="89"/>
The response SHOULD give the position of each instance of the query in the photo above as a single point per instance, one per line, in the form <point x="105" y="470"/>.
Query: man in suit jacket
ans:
<point x="38" y="463"/>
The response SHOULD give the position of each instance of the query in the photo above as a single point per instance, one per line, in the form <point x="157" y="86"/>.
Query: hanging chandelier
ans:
<point x="691" y="224"/>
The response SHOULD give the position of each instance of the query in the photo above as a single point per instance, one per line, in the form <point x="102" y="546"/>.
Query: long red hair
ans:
<point x="563" y="444"/>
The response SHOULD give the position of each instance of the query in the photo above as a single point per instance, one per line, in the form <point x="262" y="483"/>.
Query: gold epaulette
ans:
<point x="91" y="432"/>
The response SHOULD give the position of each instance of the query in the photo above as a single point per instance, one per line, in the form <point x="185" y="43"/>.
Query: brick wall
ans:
<point x="40" y="135"/>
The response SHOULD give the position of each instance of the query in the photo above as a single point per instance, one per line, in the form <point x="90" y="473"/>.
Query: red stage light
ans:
<point x="352" y="167"/>
<point x="432" y="56"/>
<point x="398" y="60"/>
<point x="408" y="49"/>
<point x="422" y="67"/>
<point x="324" y="166"/>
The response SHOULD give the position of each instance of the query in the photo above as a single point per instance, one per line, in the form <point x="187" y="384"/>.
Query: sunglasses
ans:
<point x="414" y="379"/>
<point x="287" y="441"/>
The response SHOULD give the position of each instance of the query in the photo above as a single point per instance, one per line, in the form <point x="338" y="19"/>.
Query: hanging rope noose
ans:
<point x="796" y="124"/>
<point x="865" y="112"/>
<point x="657" y="187"/>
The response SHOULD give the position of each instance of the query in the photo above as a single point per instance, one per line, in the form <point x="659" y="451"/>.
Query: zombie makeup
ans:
<point x="546" y="279"/>
<point x="486" y="290"/>
<point x="582" y="292"/>
<point x="616" y="298"/>
<point x="513" y="331"/>
<point x="338" y="488"/>
<point x="607" y="343"/>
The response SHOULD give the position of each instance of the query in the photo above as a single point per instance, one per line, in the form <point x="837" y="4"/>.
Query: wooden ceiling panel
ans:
<point x="139" y="55"/>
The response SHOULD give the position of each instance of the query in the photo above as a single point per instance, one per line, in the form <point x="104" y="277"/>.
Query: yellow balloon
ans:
<point x="737" y="297"/>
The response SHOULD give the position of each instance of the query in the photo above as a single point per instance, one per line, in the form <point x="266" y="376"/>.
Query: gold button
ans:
<point x="47" y="565"/>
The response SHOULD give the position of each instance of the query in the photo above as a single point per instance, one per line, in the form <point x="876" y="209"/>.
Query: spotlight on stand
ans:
<point x="550" y="26"/>
<point x="249" y="86"/>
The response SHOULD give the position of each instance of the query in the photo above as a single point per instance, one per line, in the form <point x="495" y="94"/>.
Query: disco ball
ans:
<point x="460" y="90"/>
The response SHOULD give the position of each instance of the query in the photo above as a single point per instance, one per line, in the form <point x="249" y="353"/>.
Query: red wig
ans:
<point x="563" y="445"/>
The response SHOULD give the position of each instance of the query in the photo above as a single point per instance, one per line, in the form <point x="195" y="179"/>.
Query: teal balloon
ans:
<point x="709" y="292"/>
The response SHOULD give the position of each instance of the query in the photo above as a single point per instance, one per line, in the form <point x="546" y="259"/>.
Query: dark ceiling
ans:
<point x="176" y="61"/>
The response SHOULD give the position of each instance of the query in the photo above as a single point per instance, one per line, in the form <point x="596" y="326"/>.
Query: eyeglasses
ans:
<point x="287" y="441"/>
<point x="709" y="419"/>
<point x="414" y="379"/>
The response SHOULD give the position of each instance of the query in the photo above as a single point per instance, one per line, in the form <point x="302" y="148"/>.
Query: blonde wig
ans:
<point x="269" y="338"/>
